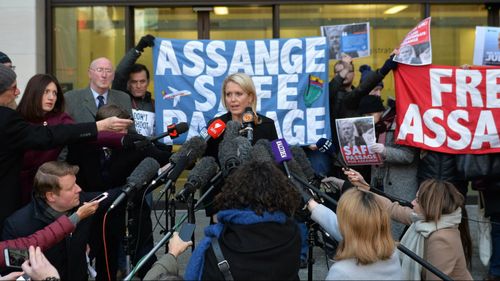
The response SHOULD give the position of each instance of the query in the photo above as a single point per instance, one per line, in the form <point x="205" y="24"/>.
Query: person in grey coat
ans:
<point x="82" y="104"/>
<point x="397" y="175"/>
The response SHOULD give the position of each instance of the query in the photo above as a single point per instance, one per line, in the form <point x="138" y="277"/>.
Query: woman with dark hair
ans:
<point x="255" y="230"/>
<point x="42" y="103"/>
<point x="362" y="226"/>
<point x="434" y="232"/>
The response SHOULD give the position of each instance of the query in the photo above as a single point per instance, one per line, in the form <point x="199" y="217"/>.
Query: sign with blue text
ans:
<point x="290" y="77"/>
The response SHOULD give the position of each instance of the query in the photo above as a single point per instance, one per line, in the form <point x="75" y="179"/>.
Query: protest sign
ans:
<point x="416" y="46"/>
<point x="355" y="134"/>
<point x="448" y="109"/>
<point x="487" y="46"/>
<point x="290" y="76"/>
<point x="351" y="39"/>
<point x="144" y="122"/>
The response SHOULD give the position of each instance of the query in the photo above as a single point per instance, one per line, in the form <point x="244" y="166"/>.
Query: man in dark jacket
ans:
<point x="55" y="194"/>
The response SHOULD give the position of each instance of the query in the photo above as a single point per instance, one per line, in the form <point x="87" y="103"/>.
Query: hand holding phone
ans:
<point x="186" y="232"/>
<point x="100" y="197"/>
<point x="15" y="257"/>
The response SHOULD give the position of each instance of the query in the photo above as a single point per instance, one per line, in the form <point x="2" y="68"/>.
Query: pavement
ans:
<point x="322" y="262"/>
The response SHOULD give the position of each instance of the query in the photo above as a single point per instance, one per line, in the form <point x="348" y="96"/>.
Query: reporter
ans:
<point x="17" y="135"/>
<point x="434" y="231"/>
<point x="366" y="250"/>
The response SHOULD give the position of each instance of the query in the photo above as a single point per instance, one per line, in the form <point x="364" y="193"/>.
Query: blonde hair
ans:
<point x="365" y="227"/>
<point x="246" y="83"/>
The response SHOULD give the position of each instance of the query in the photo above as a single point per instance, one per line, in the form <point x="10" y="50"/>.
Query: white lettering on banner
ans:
<point x="267" y="57"/>
<point x="263" y="89"/>
<point x="492" y="88"/>
<point x="466" y="82"/>
<point x="167" y="59"/>
<point x="458" y="128"/>
<point x="172" y="116"/>
<point x="209" y="95"/>
<point x="313" y="123"/>
<point x="485" y="131"/>
<point x="290" y="60"/>
<point x="297" y="133"/>
<point x="219" y="60"/>
<point x="191" y="55"/>
<point x="274" y="116"/>
<point x="284" y="91"/>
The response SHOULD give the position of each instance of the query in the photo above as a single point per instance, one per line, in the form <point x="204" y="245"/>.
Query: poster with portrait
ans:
<point x="355" y="135"/>
<point x="351" y="39"/>
<point x="416" y="46"/>
<point x="487" y="46"/>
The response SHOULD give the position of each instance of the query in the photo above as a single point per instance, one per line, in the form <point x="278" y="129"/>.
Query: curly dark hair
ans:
<point x="259" y="186"/>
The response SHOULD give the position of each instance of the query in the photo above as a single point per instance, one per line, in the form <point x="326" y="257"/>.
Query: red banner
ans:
<point x="448" y="109"/>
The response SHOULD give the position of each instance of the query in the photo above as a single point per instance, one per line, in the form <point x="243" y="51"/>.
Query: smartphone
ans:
<point x="186" y="231"/>
<point x="15" y="257"/>
<point x="100" y="197"/>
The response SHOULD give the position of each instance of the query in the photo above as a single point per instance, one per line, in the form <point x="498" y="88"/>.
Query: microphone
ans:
<point x="326" y="146"/>
<point x="232" y="153"/>
<point x="232" y="130"/>
<point x="261" y="151"/>
<point x="213" y="131"/>
<point x="144" y="172"/>
<point x="300" y="156"/>
<point x="282" y="155"/>
<point x="199" y="176"/>
<point x="248" y="122"/>
<point x="173" y="130"/>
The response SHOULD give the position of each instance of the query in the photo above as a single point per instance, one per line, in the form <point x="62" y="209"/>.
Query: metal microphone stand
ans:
<point x="167" y="236"/>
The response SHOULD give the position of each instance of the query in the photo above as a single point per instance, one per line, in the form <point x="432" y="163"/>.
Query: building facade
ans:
<point x="62" y="36"/>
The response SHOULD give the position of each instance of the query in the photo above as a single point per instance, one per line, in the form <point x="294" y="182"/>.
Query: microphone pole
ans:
<point x="423" y="263"/>
<point x="169" y="233"/>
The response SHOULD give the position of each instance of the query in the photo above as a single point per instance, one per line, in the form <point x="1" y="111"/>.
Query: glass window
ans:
<point x="386" y="30"/>
<point x="83" y="34"/>
<point x="169" y="22"/>
<point x="241" y="23"/>
<point x="453" y="31"/>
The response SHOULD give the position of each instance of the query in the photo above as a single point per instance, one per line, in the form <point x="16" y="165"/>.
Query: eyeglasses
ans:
<point x="102" y="69"/>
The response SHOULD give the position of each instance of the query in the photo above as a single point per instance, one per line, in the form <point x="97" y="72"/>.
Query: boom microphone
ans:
<point x="199" y="176"/>
<point x="144" y="172"/>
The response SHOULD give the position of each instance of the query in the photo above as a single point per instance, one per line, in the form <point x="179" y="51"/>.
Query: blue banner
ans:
<point x="290" y="77"/>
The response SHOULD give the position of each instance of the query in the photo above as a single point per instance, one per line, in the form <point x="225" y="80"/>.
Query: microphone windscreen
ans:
<point x="260" y="152"/>
<point x="300" y="156"/>
<point x="233" y="153"/>
<point x="181" y="128"/>
<point x="325" y="146"/>
<point x="232" y="130"/>
<point x="144" y="172"/>
<point x="203" y="171"/>
<point x="296" y="169"/>
<point x="192" y="149"/>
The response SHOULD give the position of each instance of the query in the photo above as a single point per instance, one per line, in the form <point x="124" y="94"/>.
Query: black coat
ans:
<point x="67" y="256"/>
<point x="16" y="136"/>
<point x="441" y="166"/>
<point x="265" y="130"/>
<point x="262" y="251"/>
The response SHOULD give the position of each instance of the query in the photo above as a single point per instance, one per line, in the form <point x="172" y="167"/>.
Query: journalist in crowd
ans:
<point x="255" y="232"/>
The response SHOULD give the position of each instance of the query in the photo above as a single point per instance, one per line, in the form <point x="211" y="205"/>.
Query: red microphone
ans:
<point x="214" y="131"/>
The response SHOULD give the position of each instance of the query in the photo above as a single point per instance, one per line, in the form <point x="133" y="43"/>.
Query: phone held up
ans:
<point x="15" y="257"/>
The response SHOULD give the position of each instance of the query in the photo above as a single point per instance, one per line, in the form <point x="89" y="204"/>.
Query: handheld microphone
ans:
<point x="232" y="130"/>
<point x="326" y="146"/>
<point x="173" y="130"/>
<point x="213" y="131"/>
<point x="199" y="176"/>
<point x="248" y="122"/>
<point x="144" y="172"/>
<point x="282" y="155"/>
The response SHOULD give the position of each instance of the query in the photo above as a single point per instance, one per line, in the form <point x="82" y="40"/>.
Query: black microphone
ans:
<point x="191" y="150"/>
<point x="173" y="130"/>
<point x="305" y="165"/>
<point x="232" y="130"/>
<point x="144" y="172"/>
<point x="199" y="176"/>
<point x="232" y="153"/>
<point x="248" y="122"/>
<point x="261" y="151"/>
